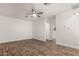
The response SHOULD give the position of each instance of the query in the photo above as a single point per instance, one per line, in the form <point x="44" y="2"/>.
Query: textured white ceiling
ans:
<point x="54" y="8"/>
<point x="18" y="9"/>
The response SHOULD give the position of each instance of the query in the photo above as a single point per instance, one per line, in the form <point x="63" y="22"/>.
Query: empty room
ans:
<point x="39" y="29"/>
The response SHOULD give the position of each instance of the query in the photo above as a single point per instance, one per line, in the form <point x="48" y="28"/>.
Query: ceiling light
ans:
<point x="76" y="14"/>
<point x="34" y="15"/>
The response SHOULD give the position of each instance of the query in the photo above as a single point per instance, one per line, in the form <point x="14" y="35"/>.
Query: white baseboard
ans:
<point x="41" y="39"/>
<point x="6" y="41"/>
<point x="77" y="47"/>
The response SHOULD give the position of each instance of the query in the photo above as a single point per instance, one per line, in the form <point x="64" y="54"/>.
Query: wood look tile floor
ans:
<point x="34" y="47"/>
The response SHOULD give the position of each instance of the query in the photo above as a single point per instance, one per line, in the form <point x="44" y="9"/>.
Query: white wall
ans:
<point x="12" y="29"/>
<point x="47" y="30"/>
<point x="67" y="29"/>
<point x="52" y="22"/>
<point x="39" y="29"/>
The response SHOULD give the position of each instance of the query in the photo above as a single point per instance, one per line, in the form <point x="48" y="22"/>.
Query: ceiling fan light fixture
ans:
<point x="76" y="13"/>
<point x="34" y="15"/>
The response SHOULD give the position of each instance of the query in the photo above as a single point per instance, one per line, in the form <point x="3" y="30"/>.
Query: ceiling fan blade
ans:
<point x="40" y="13"/>
<point x="26" y="16"/>
<point x="38" y="16"/>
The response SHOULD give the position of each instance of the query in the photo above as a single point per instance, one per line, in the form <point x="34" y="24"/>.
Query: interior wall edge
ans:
<point x="39" y="39"/>
<point x="71" y="46"/>
<point x="15" y="40"/>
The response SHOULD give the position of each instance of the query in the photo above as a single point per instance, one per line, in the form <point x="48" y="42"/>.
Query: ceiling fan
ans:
<point x="33" y="13"/>
<point x="46" y="4"/>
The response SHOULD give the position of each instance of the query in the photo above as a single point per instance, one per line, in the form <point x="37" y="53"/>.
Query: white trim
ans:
<point x="39" y="39"/>
<point x="14" y="40"/>
<point x="77" y="47"/>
